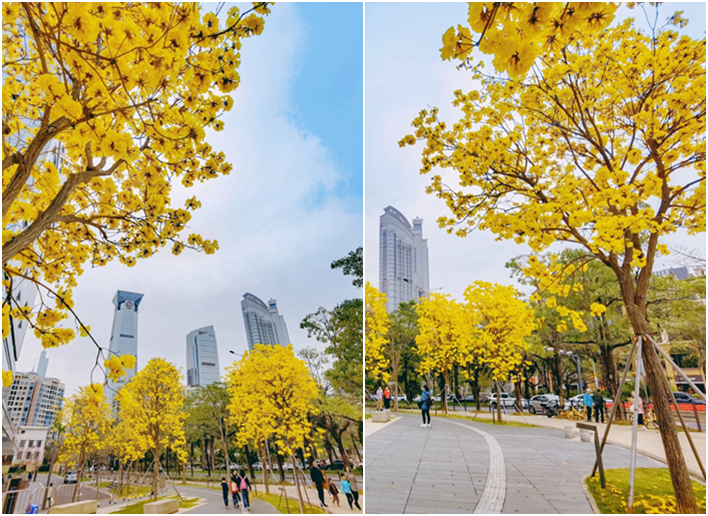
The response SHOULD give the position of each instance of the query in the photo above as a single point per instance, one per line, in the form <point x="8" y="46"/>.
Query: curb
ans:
<point x="589" y="496"/>
<point x="695" y="474"/>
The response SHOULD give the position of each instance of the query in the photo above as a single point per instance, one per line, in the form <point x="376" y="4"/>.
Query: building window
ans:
<point x="30" y="444"/>
<point x="28" y="455"/>
<point x="22" y="444"/>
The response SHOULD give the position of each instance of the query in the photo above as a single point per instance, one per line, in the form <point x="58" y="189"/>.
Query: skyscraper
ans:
<point x="32" y="400"/>
<point x="42" y="365"/>
<point x="124" y="335"/>
<point x="264" y="324"/>
<point x="202" y="357"/>
<point x="403" y="259"/>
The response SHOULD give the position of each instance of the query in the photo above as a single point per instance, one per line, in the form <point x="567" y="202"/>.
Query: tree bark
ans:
<point x="517" y="388"/>
<point x="499" y="401"/>
<point x="635" y="303"/>
<point x="443" y="394"/>
<point x="265" y="468"/>
<point x="155" y="472"/>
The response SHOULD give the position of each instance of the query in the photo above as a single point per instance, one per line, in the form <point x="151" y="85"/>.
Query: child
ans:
<point x="334" y="492"/>
<point x="234" y="492"/>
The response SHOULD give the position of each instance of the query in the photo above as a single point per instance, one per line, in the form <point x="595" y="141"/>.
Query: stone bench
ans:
<point x="169" y="506"/>
<point x="86" y="507"/>
<point x="381" y="417"/>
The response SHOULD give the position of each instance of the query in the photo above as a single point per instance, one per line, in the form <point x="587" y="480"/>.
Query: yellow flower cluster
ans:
<point x="7" y="379"/>
<point x="516" y="33"/>
<point x="117" y="365"/>
<point x="85" y="418"/>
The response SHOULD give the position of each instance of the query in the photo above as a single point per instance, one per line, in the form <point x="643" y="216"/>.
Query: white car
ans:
<point x="506" y="400"/>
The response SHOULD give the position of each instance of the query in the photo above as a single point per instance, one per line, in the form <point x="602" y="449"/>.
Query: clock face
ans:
<point x="129" y="305"/>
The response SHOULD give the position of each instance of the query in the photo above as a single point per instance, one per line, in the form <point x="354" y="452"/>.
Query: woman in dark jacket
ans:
<point x="425" y="403"/>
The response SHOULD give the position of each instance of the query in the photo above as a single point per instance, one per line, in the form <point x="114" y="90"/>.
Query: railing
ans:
<point x="16" y="502"/>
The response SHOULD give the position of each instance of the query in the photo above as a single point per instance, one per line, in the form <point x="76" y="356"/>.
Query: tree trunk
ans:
<point x="635" y="303"/>
<point x="120" y="478"/>
<point x="475" y="390"/>
<point x="265" y="466"/>
<point x="342" y="451"/>
<point x="443" y="394"/>
<point x="205" y="465"/>
<point x="211" y="453"/>
<point x="499" y="402"/>
<point x="557" y="375"/>
<point x="191" y="457"/>
<point x="127" y="480"/>
<point x="517" y="388"/>
<point x="78" y="475"/>
<point x="356" y="449"/>
<point x="225" y="446"/>
<point x="155" y="471"/>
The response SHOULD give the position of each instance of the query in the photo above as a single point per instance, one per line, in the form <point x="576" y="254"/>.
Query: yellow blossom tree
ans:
<point x="443" y="339"/>
<point x="376" y="327"/>
<point x="85" y="418"/>
<point x="152" y="403"/>
<point x="106" y="108"/>
<point x="602" y="146"/>
<point x="272" y="395"/>
<point x="126" y="442"/>
<point x="499" y="323"/>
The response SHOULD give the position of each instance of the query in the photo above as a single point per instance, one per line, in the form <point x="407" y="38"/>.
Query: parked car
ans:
<point x="506" y="400"/>
<point x="71" y="478"/>
<point x="258" y="466"/>
<point x="577" y="401"/>
<point x="536" y="401"/>
<point x="402" y="397"/>
<point x="468" y="398"/>
<point x="337" y="464"/>
<point x="684" y="397"/>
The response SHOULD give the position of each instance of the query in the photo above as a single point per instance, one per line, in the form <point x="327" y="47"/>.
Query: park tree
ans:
<point x="271" y="397"/>
<point x="500" y="322"/>
<point x="401" y="336"/>
<point x="105" y="109"/>
<point x="377" y="326"/>
<point x="337" y="417"/>
<point x="212" y="412"/>
<point x="128" y="446"/>
<point x="153" y="404"/>
<point x="443" y="339"/>
<point x="85" y="418"/>
<point x="602" y="145"/>
<point x="341" y="329"/>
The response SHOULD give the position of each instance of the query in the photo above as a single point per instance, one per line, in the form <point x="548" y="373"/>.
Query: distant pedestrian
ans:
<point x="387" y="398"/>
<point x="379" y="398"/>
<point x="225" y="491"/>
<point x="245" y="486"/>
<point x="640" y="409"/>
<point x="354" y="486"/>
<point x="50" y="494"/>
<point x="318" y="478"/>
<point x="588" y="402"/>
<point x="346" y="488"/>
<point x="234" y="492"/>
<point x="426" y="401"/>
<point x="599" y="406"/>
<point x="332" y="488"/>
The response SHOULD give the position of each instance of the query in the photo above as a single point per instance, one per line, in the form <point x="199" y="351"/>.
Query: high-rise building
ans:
<point x="264" y="324"/>
<point x="403" y="259"/>
<point x="202" y="357"/>
<point x="43" y="363"/>
<point x="32" y="400"/>
<point x="124" y="336"/>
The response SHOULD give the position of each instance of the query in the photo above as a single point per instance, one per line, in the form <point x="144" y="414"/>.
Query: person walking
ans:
<point x="379" y="398"/>
<point x="347" y="490"/>
<point x="318" y="478"/>
<point x="245" y="486"/>
<point x="234" y="491"/>
<point x="225" y="491"/>
<point x="354" y="486"/>
<point x="387" y="398"/>
<point x="332" y="487"/>
<point x="640" y="410"/>
<point x="50" y="494"/>
<point x="599" y="406"/>
<point x="588" y="402"/>
<point x="426" y="401"/>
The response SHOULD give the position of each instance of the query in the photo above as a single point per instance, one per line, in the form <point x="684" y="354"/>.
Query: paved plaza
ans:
<point x="447" y="468"/>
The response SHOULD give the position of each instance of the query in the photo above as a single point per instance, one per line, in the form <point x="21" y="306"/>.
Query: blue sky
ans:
<point x="404" y="74"/>
<point x="291" y="205"/>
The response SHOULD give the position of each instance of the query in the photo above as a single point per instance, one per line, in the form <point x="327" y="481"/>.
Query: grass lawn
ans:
<point x="367" y="416"/>
<point x="293" y="504"/>
<point x="653" y="492"/>
<point x="137" y="508"/>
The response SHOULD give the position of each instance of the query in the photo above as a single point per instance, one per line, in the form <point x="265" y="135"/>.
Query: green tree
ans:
<point x="401" y="337"/>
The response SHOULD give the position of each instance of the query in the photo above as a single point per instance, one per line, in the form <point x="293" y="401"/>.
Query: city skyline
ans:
<point x="263" y="322"/>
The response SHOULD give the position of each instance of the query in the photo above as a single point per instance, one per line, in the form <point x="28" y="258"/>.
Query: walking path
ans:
<point x="459" y="466"/>
<point x="648" y="441"/>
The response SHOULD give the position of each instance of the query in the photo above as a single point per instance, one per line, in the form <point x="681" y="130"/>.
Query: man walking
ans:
<point x="225" y="491"/>
<point x="317" y="478"/>
<point x="588" y="402"/>
<point x="599" y="402"/>
<point x="354" y="487"/>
